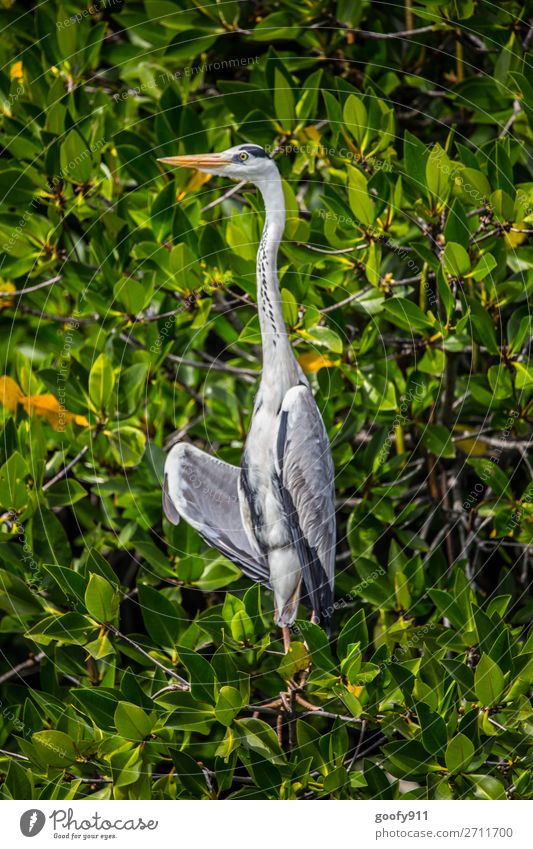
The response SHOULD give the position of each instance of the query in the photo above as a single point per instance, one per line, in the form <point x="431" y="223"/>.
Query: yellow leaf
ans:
<point x="47" y="407"/>
<point x="473" y="447"/>
<point x="10" y="393"/>
<point x="355" y="689"/>
<point x="7" y="287"/>
<point x="314" y="362"/>
<point x="16" y="72"/>
<point x="312" y="133"/>
<point x="512" y="240"/>
<point x="196" y="182"/>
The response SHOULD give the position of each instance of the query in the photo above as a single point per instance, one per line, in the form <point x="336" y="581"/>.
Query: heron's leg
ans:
<point x="286" y="638"/>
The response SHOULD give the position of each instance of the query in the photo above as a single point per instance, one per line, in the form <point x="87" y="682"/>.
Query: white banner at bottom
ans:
<point x="265" y="824"/>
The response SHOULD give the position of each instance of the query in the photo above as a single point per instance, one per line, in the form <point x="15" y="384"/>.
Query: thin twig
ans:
<point x="497" y="232"/>
<point x="517" y="108"/>
<point x="336" y="252"/>
<point x="215" y="365"/>
<point x="387" y="35"/>
<point x="66" y="469"/>
<point x="178" y="435"/>
<point x="357" y="295"/>
<point x="13" y="755"/>
<point x="29" y="289"/>
<point x="171" y="672"/>
<point x="20" y="667"/>
<point x="225" y="196"/>
<point x="357" y="749"/>
<point x="62" y="319"/>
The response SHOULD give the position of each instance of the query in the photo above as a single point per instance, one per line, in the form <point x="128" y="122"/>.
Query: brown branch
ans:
<point x="336" y="252"/>
<point x="62" y="319"/>
<point x="20" y="667"/>
<point x="388" y="35"/>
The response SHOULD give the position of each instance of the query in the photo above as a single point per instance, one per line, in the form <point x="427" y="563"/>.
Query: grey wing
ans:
<point x="204" y="491"/>
<point x="306" y="475"/>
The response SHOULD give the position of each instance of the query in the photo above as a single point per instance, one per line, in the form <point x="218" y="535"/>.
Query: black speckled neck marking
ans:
<point x="265" y="304"/>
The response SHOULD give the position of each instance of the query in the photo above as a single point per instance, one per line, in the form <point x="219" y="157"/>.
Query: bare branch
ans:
<point x="29" y="289"/>
<point x="21" y="667"/>
<point x="181" y="681"/>
<point x="66" y="469"/>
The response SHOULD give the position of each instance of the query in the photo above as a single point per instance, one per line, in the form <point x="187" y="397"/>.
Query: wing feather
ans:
<point x="204" y="491"/>
<point x="306" y="474"/>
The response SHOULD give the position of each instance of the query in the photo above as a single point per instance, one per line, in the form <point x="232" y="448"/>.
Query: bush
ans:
<point x="138" y="662"/>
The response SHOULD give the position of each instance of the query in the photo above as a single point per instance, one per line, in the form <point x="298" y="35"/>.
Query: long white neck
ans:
<point x="277" y="351"/>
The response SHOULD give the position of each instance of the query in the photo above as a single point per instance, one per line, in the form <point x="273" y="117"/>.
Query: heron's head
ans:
<point x="242" y="162"/>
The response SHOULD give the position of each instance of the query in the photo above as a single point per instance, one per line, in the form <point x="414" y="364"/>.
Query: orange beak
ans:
<point x="197" y="160"/>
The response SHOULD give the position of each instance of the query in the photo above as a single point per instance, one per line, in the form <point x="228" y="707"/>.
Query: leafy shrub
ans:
<point x="139" y="663"/>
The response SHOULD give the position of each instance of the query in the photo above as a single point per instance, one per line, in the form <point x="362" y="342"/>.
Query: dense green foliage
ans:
<point x="409" y="195"/>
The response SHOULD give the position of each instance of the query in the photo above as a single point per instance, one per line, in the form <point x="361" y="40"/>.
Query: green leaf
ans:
<point x="325" y="337"/>
<point x="201" y="672"/>
<point x="483" y="326"/>
<point x="19" y="781"/>
<point x="433" y="729"/>
<point x="500" y="381"/>
<point x="228" y="705"/>
<point x="489" y="682"/>
<point x="355" y="118"/>
<point x="76" y="158"/>
<point x="261" y="738"/>
<point x="242" y="627"/>
<point x="407" y="315"/>
<point x="127" y="444"/>
<point x="438" y="170"/>
<point x="13" y="490"/>
<point x="101" y="599"/>
<point x="524" y="375"/>
<point x="474" y="186"/>
<point x="284" y="102"/>
<point x="160" y="616"/>
<point x="484" y="267"/>
<point x="491" y="474"/>
<point x="289" y="306"/>
<point x="438" y="440"/>
<point x="64" y="493"/>
<point x="433" y="361"/>
<point x="54" y="748"/>
<point x="462" y="674"/>
<point x="101" y="382"/>
<point x="487" y="787"/>
<point x="296" y="660"/>
<point x="132" y="722"/>
<point x="354" y="631"/>
<point x="416" y="155"/>
<point x="358" y="197"/>
<point x="132" y="294"/>
<point x="455" y="260"/>
<point x="459" y="753"/>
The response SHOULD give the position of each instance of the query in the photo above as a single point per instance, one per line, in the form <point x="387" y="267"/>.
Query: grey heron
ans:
<point x="275" y="515"/>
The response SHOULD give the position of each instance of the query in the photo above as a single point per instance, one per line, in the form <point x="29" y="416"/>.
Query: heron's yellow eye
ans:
<point x="243" y="156"/>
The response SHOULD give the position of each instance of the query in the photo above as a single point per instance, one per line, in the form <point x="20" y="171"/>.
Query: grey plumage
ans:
<point x="275" y="516"/>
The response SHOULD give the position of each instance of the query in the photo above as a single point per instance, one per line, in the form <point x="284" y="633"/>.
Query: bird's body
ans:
<point x="274" y="516"/>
